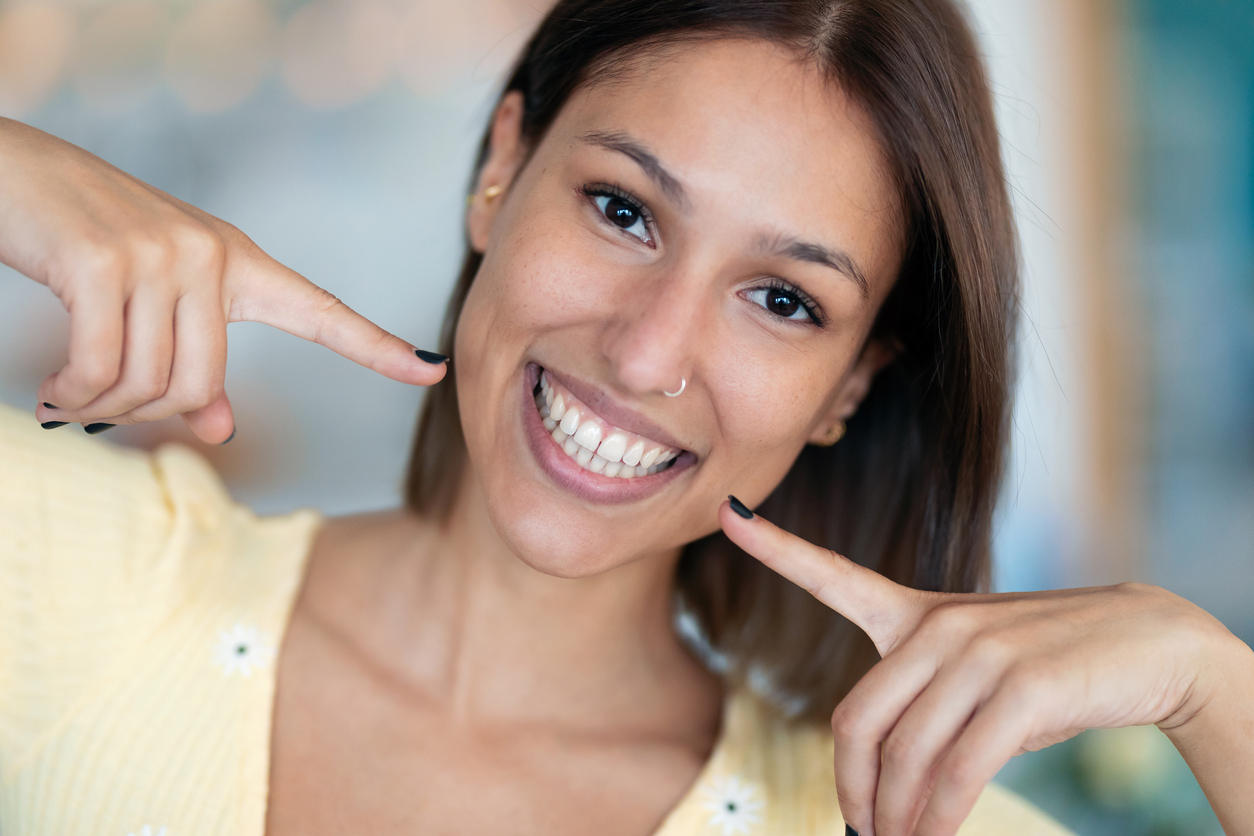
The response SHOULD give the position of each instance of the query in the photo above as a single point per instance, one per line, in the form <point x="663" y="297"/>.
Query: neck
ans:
<point x="487" y="636"/>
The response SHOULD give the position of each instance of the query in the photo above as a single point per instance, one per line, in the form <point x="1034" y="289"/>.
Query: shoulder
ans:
<point x="770" y="776"/>
<point x="89" y="524"/>
<point x="103" y="550"/>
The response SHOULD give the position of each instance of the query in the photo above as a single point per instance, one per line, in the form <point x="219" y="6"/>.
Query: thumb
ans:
<point x="213" y="424"/>
<point x="885" y="611"/>
<point x="275" y="295"/>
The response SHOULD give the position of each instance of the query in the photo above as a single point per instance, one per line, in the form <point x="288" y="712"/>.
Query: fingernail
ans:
<point x="52" y="425"/>
<point x="228" y="441"/>
<point x="430" y="357"/>
<point x="849" y="831"/>
<point x="51" y="406"/>
<point x="95" y="429"/>
<point x="739" y="507"/>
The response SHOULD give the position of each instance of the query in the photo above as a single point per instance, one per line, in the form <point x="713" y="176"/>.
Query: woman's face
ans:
<point x="717" y="215"/>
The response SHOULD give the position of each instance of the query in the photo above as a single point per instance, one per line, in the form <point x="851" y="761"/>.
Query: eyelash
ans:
<point x="807" y="302"/>
<point x="595" y="190"/>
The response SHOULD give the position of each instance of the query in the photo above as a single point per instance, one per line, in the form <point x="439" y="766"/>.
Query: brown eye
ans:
<point x="786" y="303"/>
<point x="782" y="304"/>
<point x="621" y="213"/>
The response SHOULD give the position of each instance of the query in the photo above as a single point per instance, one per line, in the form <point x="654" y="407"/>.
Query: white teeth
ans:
<point x="589" y="435"/>
<point x="632" y="456"/>
<point x="582" y="436"/>
<point x="613" y="447"/>
<point x="570" y="421"/>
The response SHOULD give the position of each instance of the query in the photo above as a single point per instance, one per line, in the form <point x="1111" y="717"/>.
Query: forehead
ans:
<point x="746" y="121"/>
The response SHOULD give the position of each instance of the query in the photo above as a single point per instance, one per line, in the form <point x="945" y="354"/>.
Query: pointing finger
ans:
<point x="885" y="611"/>
<point x="290" y="302"/>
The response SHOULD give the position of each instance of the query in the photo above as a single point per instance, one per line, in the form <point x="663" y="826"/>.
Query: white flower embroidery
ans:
<point x="240" y="650"/>
<point x="147" y="830"/>
<point x="734" y="805"/>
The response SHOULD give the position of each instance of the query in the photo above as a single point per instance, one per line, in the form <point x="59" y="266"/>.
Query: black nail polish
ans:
<point x="51" y="406"/>
<point x="52" y="425"/>
<point x="228" y="441"/>
<point x="739" y="507"/>
<point x="95" y="429"/>
<point x="849" y="831"/>
<point x="430" y="357"/>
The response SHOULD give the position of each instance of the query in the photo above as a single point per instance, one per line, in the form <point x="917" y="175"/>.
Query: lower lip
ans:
<point x="569" y="476"/>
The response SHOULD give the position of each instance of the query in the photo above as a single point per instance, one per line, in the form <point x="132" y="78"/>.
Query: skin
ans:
<point x="518" y="665"/>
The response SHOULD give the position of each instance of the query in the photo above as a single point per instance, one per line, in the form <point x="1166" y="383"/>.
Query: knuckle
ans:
<point x="950" y="619"/>
<point x="900" y="750"/>
<point x="962" y="770"/>
<point x="104" y="261"/>
<point x="1138" y="589"/>
<point x="95" y="376"/>
<point x="201" y="246"/>
<point x="325" y="303"/>
<point x="325" y="306"/>
<point x="991" y="648"/>
<point x="846" y="725"/>
<point x="153" y="249"/>
<point x="1027" y="684"/>
<point x="149" y="389"/>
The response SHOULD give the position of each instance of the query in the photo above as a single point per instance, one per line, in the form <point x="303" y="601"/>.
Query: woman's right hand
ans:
<point x="150" y="284"/>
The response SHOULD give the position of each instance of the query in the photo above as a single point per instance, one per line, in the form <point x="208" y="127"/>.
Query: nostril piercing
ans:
<point x="683" y="384"/>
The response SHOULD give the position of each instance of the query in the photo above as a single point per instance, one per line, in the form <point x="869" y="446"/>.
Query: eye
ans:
<point x="622" y="211"/>
<point x="786" y="302"/>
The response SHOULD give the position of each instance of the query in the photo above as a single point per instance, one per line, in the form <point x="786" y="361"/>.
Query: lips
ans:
<point x="594" y="443"/>
<point x="600" y="461"/>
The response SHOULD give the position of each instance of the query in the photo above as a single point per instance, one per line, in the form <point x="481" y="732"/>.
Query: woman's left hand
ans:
<point x="968" y="681"/>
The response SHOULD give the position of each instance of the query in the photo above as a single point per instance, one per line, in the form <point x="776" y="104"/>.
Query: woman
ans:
<point x="705" y="238"/>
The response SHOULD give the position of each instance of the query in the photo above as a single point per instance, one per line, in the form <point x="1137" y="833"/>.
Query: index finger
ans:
<point x="288" y="301"/>
<point x="885" y="611"/>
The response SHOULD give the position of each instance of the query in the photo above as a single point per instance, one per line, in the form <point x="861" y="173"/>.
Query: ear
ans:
<point x="876" y="354"/>
<point x="505" y="158"/>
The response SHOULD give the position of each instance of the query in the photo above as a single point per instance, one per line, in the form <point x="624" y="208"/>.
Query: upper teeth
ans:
<point x="594" y="444"/>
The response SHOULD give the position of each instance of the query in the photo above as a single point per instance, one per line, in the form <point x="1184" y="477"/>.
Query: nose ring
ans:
<point x="683" y="384"/>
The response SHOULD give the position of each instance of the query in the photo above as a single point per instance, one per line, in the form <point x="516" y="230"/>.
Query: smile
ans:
<point x="592" y="442"/>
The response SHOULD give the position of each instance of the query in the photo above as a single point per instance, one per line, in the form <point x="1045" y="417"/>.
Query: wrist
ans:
<point x="1219" y="696"/>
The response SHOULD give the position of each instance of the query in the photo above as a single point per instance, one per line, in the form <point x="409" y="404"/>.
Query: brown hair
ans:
<point x="911" y="489"/>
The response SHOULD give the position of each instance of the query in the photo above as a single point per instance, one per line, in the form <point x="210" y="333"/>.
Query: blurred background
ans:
<point x="339" y="135"/>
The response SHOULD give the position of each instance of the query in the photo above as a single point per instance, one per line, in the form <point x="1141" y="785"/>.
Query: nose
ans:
<point x="653" y="339"/>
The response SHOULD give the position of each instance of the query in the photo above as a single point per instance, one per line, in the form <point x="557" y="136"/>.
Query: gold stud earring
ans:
<point x="834" y="433"/>
<point x="489" y="194"/>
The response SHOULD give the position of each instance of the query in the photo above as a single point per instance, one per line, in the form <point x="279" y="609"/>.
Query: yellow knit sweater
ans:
<point x="140" y="613"/>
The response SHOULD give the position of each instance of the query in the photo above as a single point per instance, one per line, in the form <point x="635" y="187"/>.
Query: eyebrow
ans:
<point x="785" y="246"/>
<point x="789" y="247"/>
<point x="625" y="144"/>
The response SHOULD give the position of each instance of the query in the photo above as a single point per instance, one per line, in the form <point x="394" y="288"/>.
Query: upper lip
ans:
<point x="613" y="412"/>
